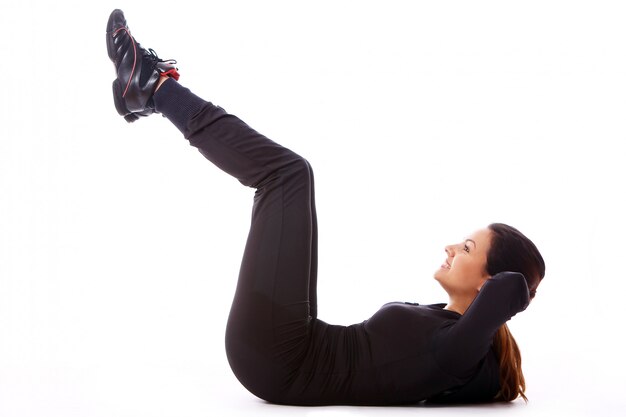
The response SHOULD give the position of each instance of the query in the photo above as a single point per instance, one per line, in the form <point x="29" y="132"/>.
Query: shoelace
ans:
<point x="154" y="58"/>
<point x="152" y="55"/>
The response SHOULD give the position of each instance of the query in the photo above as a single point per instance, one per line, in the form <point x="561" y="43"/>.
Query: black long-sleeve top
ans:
<point x="406" y="353"/>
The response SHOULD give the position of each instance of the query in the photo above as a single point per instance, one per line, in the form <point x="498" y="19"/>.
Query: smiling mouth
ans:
<point x="445" y="265"/>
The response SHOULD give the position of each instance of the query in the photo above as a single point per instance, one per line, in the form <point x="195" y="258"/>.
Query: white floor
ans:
<point x="202" y="391"/>
<point x="120" y="244"/>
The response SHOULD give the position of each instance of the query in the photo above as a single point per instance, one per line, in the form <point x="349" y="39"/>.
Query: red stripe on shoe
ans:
<point x="135" y="58"/>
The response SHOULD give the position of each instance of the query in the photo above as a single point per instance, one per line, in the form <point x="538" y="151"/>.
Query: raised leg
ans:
<point x="275" y="300"/>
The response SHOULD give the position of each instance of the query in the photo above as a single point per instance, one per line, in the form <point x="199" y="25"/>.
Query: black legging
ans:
<point x="276" y="346"/>
<point x="275" y="301"/>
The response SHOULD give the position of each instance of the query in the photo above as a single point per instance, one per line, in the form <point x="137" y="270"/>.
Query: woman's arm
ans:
<point x="460" y="347"/>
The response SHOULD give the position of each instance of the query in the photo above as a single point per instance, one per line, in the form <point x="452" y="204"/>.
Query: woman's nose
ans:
<point x="451" y="249"/>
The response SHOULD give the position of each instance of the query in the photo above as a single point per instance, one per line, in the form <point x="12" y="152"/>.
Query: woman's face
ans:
<point x="464" y="270"/>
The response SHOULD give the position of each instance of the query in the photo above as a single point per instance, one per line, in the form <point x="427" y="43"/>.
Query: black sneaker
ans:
<point x="138" y="70"/>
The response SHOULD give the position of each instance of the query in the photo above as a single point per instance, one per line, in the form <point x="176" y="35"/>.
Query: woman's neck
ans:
<point x="459" y="304"/>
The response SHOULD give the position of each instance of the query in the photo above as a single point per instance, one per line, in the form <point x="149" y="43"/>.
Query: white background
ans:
<point x="424" y="121"/>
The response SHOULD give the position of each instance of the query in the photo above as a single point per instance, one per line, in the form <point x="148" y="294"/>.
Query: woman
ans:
<point x="279" y="350"/>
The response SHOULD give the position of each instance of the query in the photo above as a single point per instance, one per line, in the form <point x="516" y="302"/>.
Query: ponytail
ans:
<point x="511" y="250"/>
<point x="512" y="383"/>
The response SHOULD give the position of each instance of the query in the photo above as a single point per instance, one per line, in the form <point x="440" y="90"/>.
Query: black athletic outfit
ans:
<point x="276" y="345"/>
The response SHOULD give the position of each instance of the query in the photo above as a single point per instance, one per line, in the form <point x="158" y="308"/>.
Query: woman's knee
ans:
<point x="296" y="172"/>
<point x="303" y="166"/>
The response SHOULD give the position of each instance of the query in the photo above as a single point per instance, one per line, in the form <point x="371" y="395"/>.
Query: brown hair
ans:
<point x="512" y="251"/>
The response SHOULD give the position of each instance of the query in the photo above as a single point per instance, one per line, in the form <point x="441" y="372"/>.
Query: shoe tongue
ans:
<point x="147" y="68"/>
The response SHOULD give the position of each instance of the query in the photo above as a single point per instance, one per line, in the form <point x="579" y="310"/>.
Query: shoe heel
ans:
<point x="120" y="105"/>
<point x="131" y="117"/>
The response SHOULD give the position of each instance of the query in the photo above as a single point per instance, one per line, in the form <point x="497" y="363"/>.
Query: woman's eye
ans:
<point x="466" y="248"/>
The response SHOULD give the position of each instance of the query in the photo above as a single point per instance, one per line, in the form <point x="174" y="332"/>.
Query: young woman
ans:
<point x="276" y="345"/>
